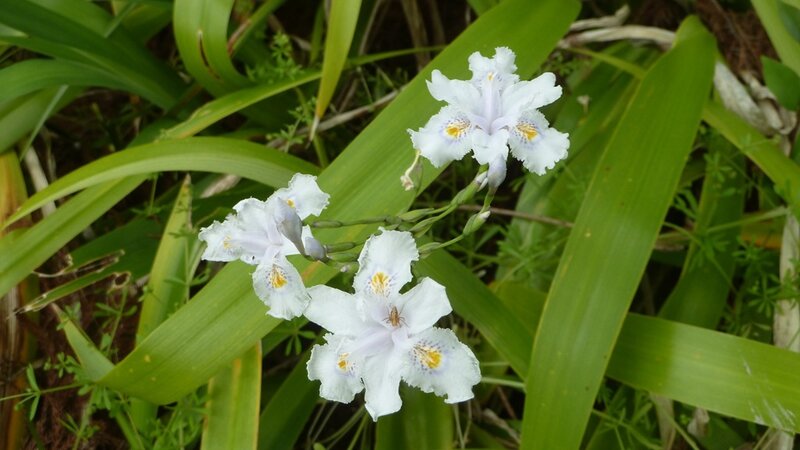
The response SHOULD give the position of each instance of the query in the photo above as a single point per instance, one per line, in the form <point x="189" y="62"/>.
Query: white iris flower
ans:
<point x="380" y="336"/>
<point x="264" y="233"/>
<point x="490" y="113"/>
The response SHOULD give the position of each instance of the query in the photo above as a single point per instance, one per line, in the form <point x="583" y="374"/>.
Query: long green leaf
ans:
<point x="201" y="32"/>
<point x="21" y="115"/>
<point x="341" y="26"/>
<point x="786" y="45"/>
<point x="226" y="105"/>
<point x="73" y="30"/>
<point x="29" y="251"/>
<point x="738" y="377"/>
<point x="93" y="362"/>
<point x="168" y="286"/>
<point x="702" y="290"/>
<point x="160" y="370"/>
<point x="34" y="74"/>
<point x="287" y="412"/>
<point x="496" y="325"/>
<point x="221" y="155"/>
<point x="726" y="374"/>
<point x="424" y="423"/>
<point x="233" y="401"/>
<point x="620" y="216"/>
<point x="784" y="172"/>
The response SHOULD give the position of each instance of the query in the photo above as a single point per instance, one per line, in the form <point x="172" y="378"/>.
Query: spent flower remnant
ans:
<point x="490" y="113"/>
<point x="264" y="233"/>
<point x="379" y="336"/>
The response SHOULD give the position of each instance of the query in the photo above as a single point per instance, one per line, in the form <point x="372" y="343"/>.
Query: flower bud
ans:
<point x="481" y="180"/>
<point x="314" y="249"/>
<point x="476" y="222"/>
<point x="496" y="173"/>
<point x="414" y="214"/>
<point x="290" y="225"/>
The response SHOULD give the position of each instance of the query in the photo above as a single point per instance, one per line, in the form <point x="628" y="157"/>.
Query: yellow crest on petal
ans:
<point x="428" y="356"/>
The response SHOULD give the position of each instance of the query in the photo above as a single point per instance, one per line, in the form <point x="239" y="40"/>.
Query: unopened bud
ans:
<point x="481" y="180"/>
<point x="343" y="257"/>
<point x="326" y="224"/>
<point x="348" y="267"/>
<point x="475" y="222"/>
<point x="410" y="216"/>
<point x="424" y="249"/>
<point x="290" y="225"/>
<point x="314" y="249"/>
<point x="496" y="173"/>
<point x="340" y="247"/>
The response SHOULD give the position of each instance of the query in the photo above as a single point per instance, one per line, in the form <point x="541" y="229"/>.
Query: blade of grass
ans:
<point x="785" y="44"/>
<point x="210" y="154"/>
<point x="160" y="371"/>
<point x="15" y="341"/>
<point x="21" y="115"/>
<point x="727" y="374"/>
<point x="241" y="99"/>
<point x="287" y="411"/>
<point x="700" y="295"/>
<point x="37" y="244"/>
<point x="233" y="401"/>
<point x="228" y="104"/>
<point x="341" y="26"/>
<point x="93" y="362"/>
<point x="621" y="215"/>
<point x="502" y="329"/>
<point x="32" y="75"/>
<point x="201" y="32"/>
<point x="71" y="30"/>
<point x="424" y="423"/>
<point x="168" y="286"/>
<point x="784" y="172"/>
<point x="733" y="376"/>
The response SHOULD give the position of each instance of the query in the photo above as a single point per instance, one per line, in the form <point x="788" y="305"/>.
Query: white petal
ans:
<point x="287" y="247"/>
<point x="278" y="284"/>
<point x="532" y="94"/>
<point x="500" y="68"/>
<point x="219" y="240"/>
<point x="538" y="146"/>
<point x="497" y="172"/>
<point x="437" y="362"/>
<point x="336" y="311"/>
<point x="339" y="375"/>
<point x="385" y="263"/>
<point x="304" y="195"/>
<point x="314" y="248"/>
<point x="290" y="226"/>
<point x="488" y="147"/>
<point x="445" y="138"/>
<point x="381" y="375"/>
<point x="458" y="93"/>
<point x="253" y="214"/>
<point x="423" y="305"/>
<point x="249" y="234"/>
<point x="504" y="60"/>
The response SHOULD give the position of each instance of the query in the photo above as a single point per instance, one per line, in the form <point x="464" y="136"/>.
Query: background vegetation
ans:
<point x="640" y="296"/>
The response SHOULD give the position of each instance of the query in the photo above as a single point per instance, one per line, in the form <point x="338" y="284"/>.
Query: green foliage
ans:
<point x="606" y="300"/>
<point x="783" y="82"/>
